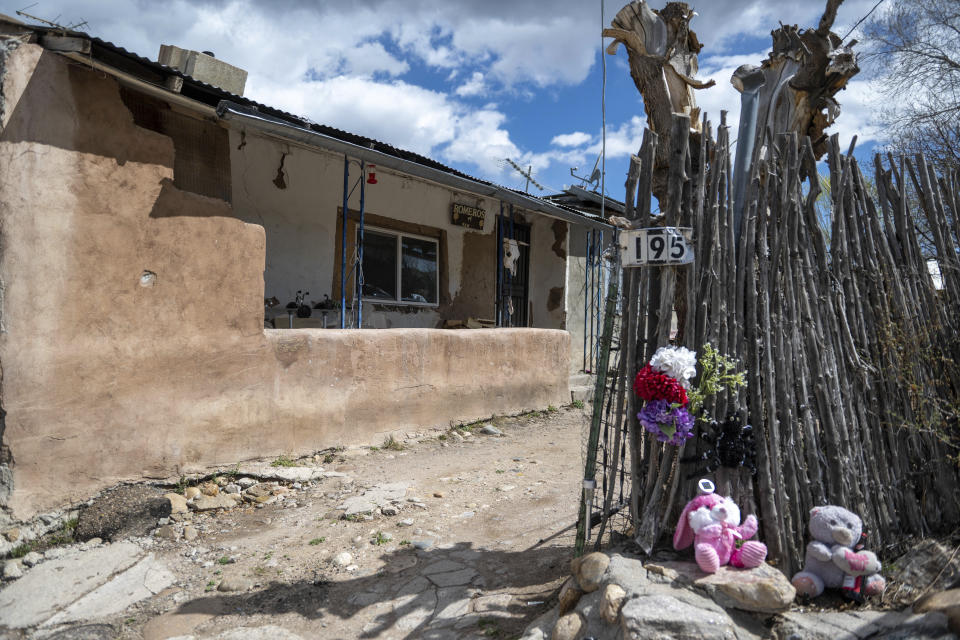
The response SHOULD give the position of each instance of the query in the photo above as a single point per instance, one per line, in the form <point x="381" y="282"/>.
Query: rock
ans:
<point x="12" y="535"/>
<point x="389" y="510"/>
<point x="258" y="493"/>
<point x="178" y="503"/>
<point x="284" y="474"/>
<point x="859" y="623"/>
<point x="933" y="602"/>
<point x="168" y="532"/>
<point x="438" y="494"/>
<point x="351" y="568"/>
<point x="12" y="570"/>
<point x="83" y="586"/>
<point x="406" y="522"/>
<point x="342" y="559"/>
<point x="212" y="503"/>
<point x="664" y="612"/>
<point x="128" y="510"/>
<point x="423" y="544"/>
<point x="32" y="558"/>
<point x="929" y="567"/>
<point x="590" y="569"/>
<point x="567" y="627"/>
<point x="762" y="589"/>
<point x="190" y="533"/>
<point x="191" y="492"/>
<point x="506" y="487"/>
<point x="490" y="430"/>
<point x="268" y="632"/>
<point x="402" y="563"/>
<point x="92" y="542"/>
<point x="234" y="583"/>
<point x="246" y="483"/>
<point x="378" y="496"/>
<point x="570" y="594"/>
<point x="210" y="489"/>
<point x="232" y="488"/>
<point x="613" y="596"/>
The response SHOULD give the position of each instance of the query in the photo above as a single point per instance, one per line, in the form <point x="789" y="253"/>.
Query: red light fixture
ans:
<point x="371" y="174"/>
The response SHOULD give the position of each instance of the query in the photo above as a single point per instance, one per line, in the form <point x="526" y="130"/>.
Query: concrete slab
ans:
<point x="144" y="579"/>
<point x="56" y="584"/>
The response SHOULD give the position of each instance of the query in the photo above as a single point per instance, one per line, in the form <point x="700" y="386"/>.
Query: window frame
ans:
<point x="398" y="272"/>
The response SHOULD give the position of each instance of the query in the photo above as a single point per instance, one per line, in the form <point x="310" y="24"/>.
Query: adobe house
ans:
<point x="145" y="217"/>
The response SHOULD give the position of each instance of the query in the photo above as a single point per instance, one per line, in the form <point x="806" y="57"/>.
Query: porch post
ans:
<point x="343" y="244"/>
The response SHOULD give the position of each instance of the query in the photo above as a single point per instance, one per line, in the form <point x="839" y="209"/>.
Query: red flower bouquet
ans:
<point x="651" y="384"/>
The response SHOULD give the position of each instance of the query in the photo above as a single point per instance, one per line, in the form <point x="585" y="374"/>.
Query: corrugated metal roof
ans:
<point x="104" y="50"/>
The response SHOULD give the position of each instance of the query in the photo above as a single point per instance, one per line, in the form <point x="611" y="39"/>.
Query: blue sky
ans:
<point x="467" y="82"/>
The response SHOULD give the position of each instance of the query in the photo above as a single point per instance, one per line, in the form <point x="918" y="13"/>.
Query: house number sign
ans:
<point x="467" y="216"/>
<point x="656" y="246"/>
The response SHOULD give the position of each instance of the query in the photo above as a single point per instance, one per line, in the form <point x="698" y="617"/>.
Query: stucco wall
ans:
<point x="131" y="338"/>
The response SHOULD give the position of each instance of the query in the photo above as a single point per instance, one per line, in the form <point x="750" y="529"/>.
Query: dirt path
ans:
<point x="480" y="543"/>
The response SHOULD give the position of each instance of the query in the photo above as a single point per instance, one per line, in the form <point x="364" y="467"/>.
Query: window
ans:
<point x="398" y="267"/>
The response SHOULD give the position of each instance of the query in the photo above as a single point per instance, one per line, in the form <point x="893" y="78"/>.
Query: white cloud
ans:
<point x="472" y="87"/>
<point x="574" y="139"/>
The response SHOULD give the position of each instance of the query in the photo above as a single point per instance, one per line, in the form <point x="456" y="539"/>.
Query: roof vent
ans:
<point x="203" y="66"/>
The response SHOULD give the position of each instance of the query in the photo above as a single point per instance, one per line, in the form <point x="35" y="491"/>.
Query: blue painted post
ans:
<point x="510" y="275"/>
<point x="500" y="267"/>
<point x="363" y="183"/>
<point x="343" y="244"/>
<point x="748" y="80"/>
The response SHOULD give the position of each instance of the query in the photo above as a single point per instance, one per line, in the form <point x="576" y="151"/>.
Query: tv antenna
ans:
<point x="528" y="174"/>
<point x="52" y="23"/>
<point x="594" y="178"/>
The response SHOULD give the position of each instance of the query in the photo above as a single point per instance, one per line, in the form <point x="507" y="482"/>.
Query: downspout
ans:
<point x="510" y="275"/>
<point x="748" y="80"/>
<point x="359" y="266"/>
<point x="500" y="267"/>
<point x="588" y="308"/>
<point x="343" y="244"/>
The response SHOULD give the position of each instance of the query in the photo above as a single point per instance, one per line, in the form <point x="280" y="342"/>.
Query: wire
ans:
<point x="860" y="21"/>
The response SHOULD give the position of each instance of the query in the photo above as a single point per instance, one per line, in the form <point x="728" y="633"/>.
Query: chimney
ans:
<point x="202" y="66"/>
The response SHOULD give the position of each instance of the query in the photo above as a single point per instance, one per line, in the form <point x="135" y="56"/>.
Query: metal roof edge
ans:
<point x="231" y="111"/>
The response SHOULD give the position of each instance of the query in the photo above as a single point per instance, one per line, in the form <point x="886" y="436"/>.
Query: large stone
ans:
<point x="128" y="510"/>
<point x="929" y="567"/>
<point x="590" y="569"/>
<point x="763" y="589"/>
<point x="613" y="596"/>
<point x="284" y="474"/>
<point x="570" y="594"/>
<point x="857" y="624"/>
<point x="938" y="601"/>
<point x="568" y="627"/>
<point x="57" y="583"/>
<point x="662" y="614"/>
<point x="12" y="570"/>
<point x="212" y="503"/>
<point x="374" y="497"/>
<point x="146" y="578"/>
<point x="178" y="503"/>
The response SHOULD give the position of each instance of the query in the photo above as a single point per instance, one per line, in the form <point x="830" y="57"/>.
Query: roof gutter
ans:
<point x="233" y="112"/>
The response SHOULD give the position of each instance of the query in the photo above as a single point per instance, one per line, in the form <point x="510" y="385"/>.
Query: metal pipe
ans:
<point x="748" y="80"/>
<point x="588" y="307"/>
<point x="231" y="111"/>
<point x="343" y="244"/>
<point x="510" y="275"/>
<point x="359" y="267"/>
<point x="500" y="267"/>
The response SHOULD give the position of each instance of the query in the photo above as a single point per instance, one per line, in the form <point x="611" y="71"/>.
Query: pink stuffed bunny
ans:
<point x="712" y="524"/>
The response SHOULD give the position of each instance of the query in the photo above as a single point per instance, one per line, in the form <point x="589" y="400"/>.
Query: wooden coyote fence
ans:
<point x="849" y="346"/>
